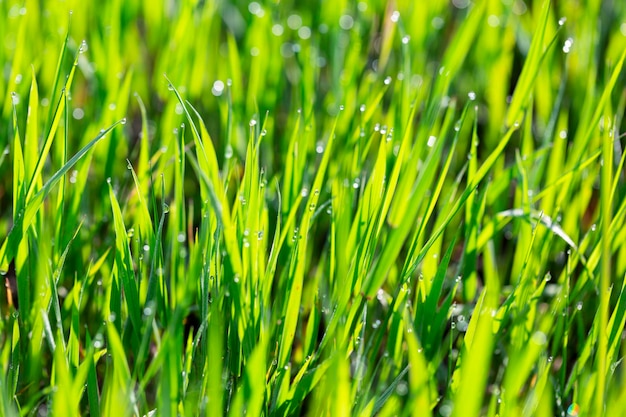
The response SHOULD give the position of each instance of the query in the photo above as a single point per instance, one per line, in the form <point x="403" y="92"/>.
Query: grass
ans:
<point x="285" y="208"/>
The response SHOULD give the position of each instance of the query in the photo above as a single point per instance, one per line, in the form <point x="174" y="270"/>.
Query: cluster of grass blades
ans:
<point x="310" y="208"/>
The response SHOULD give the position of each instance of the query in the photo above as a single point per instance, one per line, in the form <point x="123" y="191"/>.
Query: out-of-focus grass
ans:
<point x="346" y="208"/>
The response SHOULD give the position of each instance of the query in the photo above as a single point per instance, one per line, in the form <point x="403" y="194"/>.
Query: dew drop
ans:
<point x="218" y="88"/>
<point x="346" y="22"/>
<point x="567" y="46"/>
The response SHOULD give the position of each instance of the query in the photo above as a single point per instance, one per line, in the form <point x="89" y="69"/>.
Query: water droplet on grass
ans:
<point x="78" y="113"/>
<point x="562" y="21"/>
<point x="218" y="88"/>
<point x="567" y="46"/>
<point x="493" y="21"/>
<point x="395" y="16"/>
<point x="387" y="81"/>
<point x="346" y="22"/>
<point x="431" y="141"/>
<point x="294" y="22"/>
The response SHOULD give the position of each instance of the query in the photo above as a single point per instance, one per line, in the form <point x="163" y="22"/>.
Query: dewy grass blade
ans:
<point x="124" y="267"/>
<point x="531" y="67"/>
<point x="296" y="280"/>
<point x="606" y="208"/>
<point x="26" y="216"/>
<point x="58" y="113"/>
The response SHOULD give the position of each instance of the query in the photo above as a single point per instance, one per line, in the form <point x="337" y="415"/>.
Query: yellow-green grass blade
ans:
<point x="26" y="216"/>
